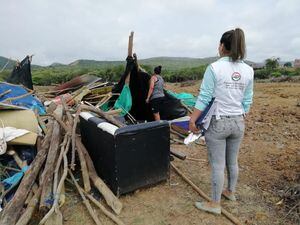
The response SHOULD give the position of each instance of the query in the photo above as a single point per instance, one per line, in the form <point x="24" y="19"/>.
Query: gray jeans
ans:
<point x="223" y="138"/>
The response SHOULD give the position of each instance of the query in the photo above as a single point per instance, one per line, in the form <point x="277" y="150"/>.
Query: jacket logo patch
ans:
<point x="236" y="76"/>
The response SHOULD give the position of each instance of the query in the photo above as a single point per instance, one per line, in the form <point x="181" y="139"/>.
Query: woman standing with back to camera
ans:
<point x="230" y="81"/>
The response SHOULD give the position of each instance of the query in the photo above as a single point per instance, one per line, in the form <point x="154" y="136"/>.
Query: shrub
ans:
<point x="261" y="74"/>
<point x="276" y="74"/>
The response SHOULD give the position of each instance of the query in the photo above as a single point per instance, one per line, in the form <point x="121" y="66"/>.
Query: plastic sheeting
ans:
<point x="187" y="98"/>
<point x="21" y="74"/>
<point x="28" y="101"/>
<point x="124" y="101"/>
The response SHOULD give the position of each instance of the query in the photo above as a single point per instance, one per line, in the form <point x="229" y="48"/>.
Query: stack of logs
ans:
<point x="42" y="187"/>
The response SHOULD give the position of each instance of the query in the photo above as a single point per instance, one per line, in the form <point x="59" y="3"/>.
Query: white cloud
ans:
<point x="63" y="31"/>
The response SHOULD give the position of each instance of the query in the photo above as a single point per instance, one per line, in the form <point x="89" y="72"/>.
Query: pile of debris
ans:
<point x="41" y="178"/>
<point x="41" y="147"/>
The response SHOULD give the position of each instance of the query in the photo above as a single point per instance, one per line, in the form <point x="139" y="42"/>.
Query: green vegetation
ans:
<point x="175" y="69"/>
<point x="272" y="69"/>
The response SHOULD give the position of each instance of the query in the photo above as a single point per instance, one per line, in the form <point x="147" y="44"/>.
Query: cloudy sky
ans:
<point x="66" y="30"/>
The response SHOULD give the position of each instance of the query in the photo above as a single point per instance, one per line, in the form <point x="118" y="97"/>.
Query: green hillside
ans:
<point x="3" y="61"/>
<point x="175" y="69"/>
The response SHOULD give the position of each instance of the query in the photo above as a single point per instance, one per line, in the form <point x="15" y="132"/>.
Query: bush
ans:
<point x="261" y="74"/>
<point x="276" y="74"/>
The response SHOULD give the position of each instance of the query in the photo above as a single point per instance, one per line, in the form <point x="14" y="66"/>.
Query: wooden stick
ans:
<point x="76" y="119"/>
<point x="26" y="216"/>
<point x="84" y="170"/>
<point x="13" y="209"/>
<point x="69" y="116"/>
<point x="185" y="106"/>
<point x="194" y="159"/>
<point x="47" y="182"/>
<point x="104" y="210"/>
<point x="57" y="191"/>
<point x="109" y="197"/>
<point x="130" y="43"/>
<point x="5" y="92"/>
<point x="109" y="118"/>
<point x="18" y="97"/>
<point x="114" y="112"/>
<point x="227" y="214"/>
<point x="85" y="200"/>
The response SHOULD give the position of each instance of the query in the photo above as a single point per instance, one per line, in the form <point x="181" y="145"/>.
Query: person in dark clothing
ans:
<point x="156" y="92"/>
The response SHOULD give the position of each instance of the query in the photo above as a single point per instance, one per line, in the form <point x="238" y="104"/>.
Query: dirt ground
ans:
<point x="269" y="163"/>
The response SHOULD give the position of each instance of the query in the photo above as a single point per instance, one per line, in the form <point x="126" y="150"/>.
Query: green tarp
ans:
<point x="187" y="98"/>
<point x="123" y="102"/>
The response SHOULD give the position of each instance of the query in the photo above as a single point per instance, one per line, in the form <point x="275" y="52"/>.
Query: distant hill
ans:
<point x="175" y="63"/>
<point x="86" y="63"/>
<point x="10" y="63"/>
<point x="169" y="63"/>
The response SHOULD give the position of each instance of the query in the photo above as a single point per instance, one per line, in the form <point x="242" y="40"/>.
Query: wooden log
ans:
<point x="130" y="43"/>
<point x="85" y="200"/>
<point x="109" y="118"/>
<point x="32" y="205"/>
<point x="75" y="122"/>
<point x="69" y="116"/>
<point x="54" y="216"/>
<point x="105" y="211"/>
<point x="109" y="197"/>
<point x="84" y="170"/>
<point x="47" y="182"/>
<point x="12" y="211"/>
<point x="178" y="154"/>
<point x="227" y="214"/>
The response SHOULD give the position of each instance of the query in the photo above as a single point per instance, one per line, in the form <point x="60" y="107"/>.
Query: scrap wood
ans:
<point x="100" y="96"/>
<point x="75" y="122"/>
<point x="85" y="200"/>
<point x="84" y="170"/>
<point x="130" y="43"/>
<point x="5" y="92"/>
<point x="227" y="214"/>
<point x="47" y="180"/>
<point x="177" y="154"/>
<point x="31" y="92"/>
<point x="109" y="118"/>
<point x="102" y="90"/>
<point x="196" y="160"/>
<point x="13" y="209"/>
<point x="32" y="205"/>
<point x="57" y="216"/>
<point x="104" y="210"/>
<point x="66" y="110"/>
<point x="108" y="195"/>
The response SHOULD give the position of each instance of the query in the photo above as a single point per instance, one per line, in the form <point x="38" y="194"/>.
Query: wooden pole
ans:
<point x="105" y="211"/>
<point x="227" y="214"/>
<point x="32" y="205"/>
<point x="47" y="181"/>
<point x="130" y="43"/>
<point x="107" y="117"/>
<point x="109" y="197"/>
<point x="85" y="200"/>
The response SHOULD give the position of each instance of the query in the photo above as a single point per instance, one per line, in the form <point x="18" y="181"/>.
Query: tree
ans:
<point x="272" y="63"/>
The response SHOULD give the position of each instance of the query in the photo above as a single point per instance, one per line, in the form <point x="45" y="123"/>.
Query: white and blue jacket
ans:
<point x="231" y="83"/>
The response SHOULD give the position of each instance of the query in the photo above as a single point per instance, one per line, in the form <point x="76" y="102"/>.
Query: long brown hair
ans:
<point x="234" y="43"/>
